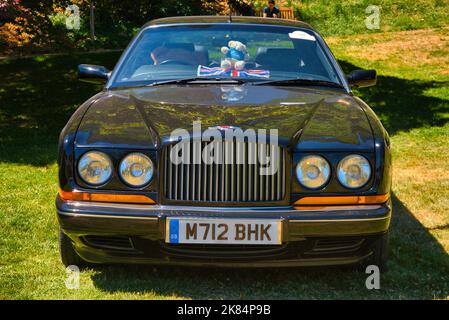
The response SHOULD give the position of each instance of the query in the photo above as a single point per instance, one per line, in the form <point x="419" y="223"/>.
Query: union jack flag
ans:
<point x="204" y="71"/>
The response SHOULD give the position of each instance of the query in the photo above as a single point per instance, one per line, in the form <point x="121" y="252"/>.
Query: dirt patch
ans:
<point x="414" y="48"/>
<point x="423" y="175"/>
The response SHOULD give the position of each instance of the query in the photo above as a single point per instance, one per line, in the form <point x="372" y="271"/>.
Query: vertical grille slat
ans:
<point x="226" y="172"/>
<point x="232" y="166"/>
<point x="217" y="171"/>
<point x="278" y="176"/>
<point x="261" y="148"/>
<point x="222" y="198"/>
<point x="283" y="173"/>
<point x="193" y="180"/>
<point x="250" y="171"/>
<point x="266" y="176"/>
<point x="204" y="178"/>
<point x="237" y="177"/>
<point x="237" y="162"/>
<point x="256" y="174"/>
<point x="176" y="184"/>
<point x="273" y="159"/>
<point x="245" y="161"/>
<point x="181" y="184"/>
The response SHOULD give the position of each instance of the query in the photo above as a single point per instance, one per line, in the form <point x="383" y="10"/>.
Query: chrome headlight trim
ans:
<point x="95" y="168"/>
<point x="354" y="171"/>
<point x="313" y="172"/>
<point x="136" y="170"/>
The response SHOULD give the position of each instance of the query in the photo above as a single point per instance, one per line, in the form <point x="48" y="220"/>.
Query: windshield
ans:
<point x="246" y="53"/>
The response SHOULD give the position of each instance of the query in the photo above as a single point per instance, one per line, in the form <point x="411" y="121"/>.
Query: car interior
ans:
<point x="303" y="57"/>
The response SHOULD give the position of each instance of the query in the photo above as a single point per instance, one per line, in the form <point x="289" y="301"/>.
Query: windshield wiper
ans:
<point x="299" y="81"/>
<point x="199" y="80"/>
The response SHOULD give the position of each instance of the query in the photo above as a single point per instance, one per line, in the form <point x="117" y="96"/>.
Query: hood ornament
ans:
<point x="224" y="127"/>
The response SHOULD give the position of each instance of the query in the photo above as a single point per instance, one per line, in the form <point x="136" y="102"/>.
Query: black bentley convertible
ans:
<point x="225" y="141"/>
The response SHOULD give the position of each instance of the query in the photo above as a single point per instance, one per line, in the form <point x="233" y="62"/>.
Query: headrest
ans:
<point x="180" y="45"/>
<point x="273" y="56"/>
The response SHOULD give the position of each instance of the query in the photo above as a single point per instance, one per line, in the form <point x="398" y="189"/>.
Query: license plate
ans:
<point x="224" y="231"/>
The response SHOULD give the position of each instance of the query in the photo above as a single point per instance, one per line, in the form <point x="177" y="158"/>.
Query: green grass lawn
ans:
<point x="38" y="95"/>
<point x="348" y="17"/>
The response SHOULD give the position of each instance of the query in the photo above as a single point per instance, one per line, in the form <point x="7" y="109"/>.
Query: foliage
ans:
<point x="28" y="27"/>
<point x="224" y="6"/>
<point x="13" y="25"/>
<point x="33" y="26"/>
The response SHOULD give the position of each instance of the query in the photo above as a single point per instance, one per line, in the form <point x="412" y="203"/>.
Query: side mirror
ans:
<point x="362" y="78"/>
<point x="93" y="74"/>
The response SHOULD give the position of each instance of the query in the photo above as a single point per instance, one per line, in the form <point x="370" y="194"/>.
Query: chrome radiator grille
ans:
<point x="236" y="177"/>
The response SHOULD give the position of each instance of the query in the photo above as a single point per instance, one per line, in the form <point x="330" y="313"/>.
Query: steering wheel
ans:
<point x="174" y="61"/>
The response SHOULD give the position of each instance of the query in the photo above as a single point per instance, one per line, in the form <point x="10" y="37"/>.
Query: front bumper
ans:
<point x="125" y="233"/>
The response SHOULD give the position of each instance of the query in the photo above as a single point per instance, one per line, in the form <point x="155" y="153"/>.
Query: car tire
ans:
<point x="68" y="253"/>
<point x="380" y="252"/>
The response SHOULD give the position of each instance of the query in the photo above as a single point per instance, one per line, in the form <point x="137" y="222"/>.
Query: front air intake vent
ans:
<point x="349" y="244"/>
<point x="104" y="242"/>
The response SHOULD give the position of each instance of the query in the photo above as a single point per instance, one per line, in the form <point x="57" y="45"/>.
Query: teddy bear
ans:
<point x="235" y="55"/>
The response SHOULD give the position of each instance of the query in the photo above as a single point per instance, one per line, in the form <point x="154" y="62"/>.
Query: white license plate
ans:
<point x="225" y="231"/>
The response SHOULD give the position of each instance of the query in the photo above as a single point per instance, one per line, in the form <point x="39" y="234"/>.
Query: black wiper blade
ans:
<point x="299" y="81"/>
<point x="199" y="80"/>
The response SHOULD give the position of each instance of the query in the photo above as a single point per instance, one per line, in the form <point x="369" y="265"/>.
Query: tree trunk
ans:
<point x="92" y="20"/>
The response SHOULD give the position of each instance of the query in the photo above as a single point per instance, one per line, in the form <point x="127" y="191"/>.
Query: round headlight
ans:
<point x="313" y="172"/>
<point x="354" y="171"/>
<point x="95" y="168"/>
<point x="136" y="169"/>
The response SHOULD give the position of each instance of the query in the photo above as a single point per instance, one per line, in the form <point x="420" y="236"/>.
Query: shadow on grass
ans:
<point x="403" y="104"/>
<point x="418" y="269"/>
<point x="38" y="95"/>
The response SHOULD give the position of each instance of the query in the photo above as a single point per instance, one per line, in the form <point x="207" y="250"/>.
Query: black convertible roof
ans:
<point x="226" y="19"/>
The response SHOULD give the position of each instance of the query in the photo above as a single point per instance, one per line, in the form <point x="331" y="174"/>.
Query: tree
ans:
<point x="92" y="20"/>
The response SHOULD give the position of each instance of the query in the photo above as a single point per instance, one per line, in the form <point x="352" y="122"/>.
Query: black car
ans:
<point x="225" y="141"/>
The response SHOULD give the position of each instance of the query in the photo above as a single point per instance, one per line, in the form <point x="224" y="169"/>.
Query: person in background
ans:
<point x="251" y="11"/>
<point x="271" y="11"/>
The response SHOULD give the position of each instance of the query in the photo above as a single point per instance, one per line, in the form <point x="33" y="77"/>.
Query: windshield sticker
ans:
<point x="301" y="35"/>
